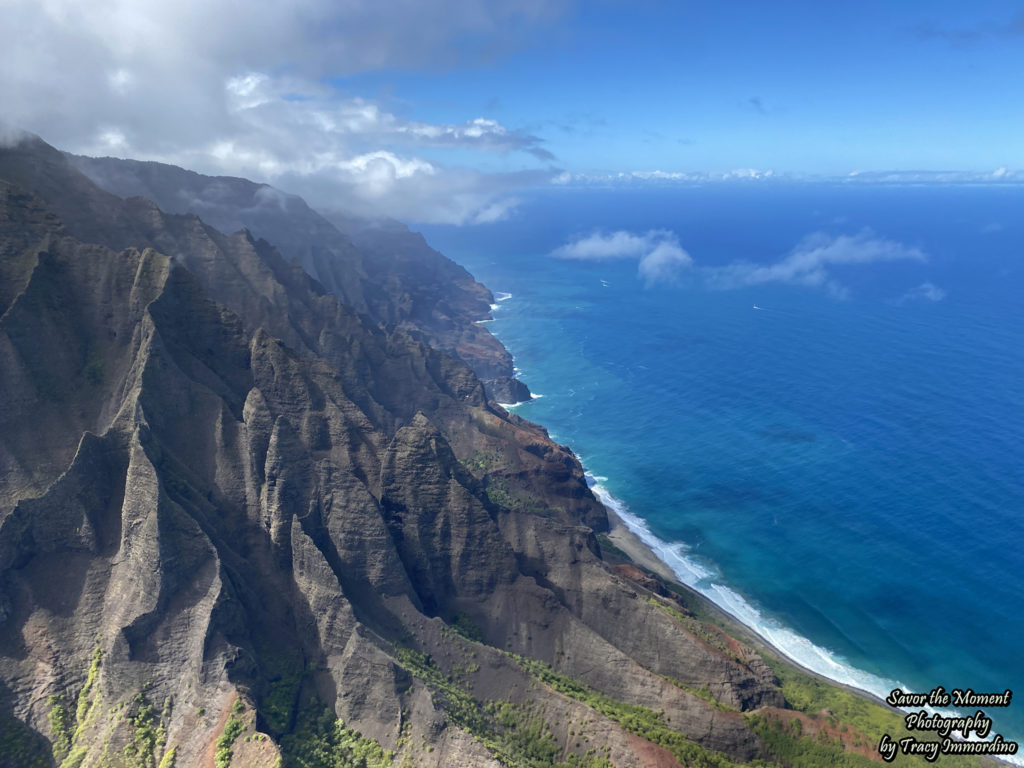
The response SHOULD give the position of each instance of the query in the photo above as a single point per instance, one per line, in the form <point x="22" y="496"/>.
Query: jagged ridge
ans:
<point x="223" y="488"/>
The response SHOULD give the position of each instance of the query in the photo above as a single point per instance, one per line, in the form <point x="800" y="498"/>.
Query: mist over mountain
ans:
<point x="377" y="267"/>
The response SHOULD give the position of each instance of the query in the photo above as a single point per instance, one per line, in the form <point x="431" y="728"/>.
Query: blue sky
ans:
<point x="446" y="111"/>
<point x="796" y="86"/>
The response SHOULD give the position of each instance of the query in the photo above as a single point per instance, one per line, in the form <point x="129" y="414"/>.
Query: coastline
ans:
<point x="642" y="555"/>
<point x="724" y="605"/>
<point x="623" y="537"/>
<point x="727" y="607"/>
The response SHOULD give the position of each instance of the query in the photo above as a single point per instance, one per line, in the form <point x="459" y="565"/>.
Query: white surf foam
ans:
<point x="795" y="647"/>
<point x="705" y="581"/>
<point x="502" y="296"/>
<point x="510" y="406"/>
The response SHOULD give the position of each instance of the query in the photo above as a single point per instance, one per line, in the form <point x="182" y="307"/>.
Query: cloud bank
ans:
<point x="811" y="263"/>
<point x="260" y="91"/>
<point x="999" y="176"/>
<point x="659" y="256"/>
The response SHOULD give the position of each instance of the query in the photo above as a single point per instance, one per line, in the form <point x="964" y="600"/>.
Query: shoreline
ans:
<point x="631" y="535"/>
<point x="623" y="537"/>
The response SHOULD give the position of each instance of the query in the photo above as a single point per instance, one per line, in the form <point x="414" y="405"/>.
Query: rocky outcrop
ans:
<point x="230" y="503"/>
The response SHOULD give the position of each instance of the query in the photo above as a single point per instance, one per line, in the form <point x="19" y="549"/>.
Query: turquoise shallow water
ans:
<point x="844" y="474"/>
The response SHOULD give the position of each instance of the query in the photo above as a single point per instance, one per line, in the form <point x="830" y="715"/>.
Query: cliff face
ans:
<point x="379" y="268"/>
<point x="234" y="508"/>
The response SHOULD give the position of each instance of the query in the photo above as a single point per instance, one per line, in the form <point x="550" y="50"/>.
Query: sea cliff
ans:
<point x="259" y="506"/>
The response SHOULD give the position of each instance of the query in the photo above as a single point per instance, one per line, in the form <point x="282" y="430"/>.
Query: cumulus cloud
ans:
<point x="811" y="263"/>
<point x="262" y="92"/>
<point x="659" y="256"/>
<point x="617" y="245"/>
<point x="926" y="291"/>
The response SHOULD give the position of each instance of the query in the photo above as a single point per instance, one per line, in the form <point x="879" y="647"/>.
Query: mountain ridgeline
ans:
<point x="259" y="507"/>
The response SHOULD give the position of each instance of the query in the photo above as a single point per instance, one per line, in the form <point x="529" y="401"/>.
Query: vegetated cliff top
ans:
<point x="249" y="517"/>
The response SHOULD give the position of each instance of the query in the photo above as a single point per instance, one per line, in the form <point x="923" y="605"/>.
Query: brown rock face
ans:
<point x="217" y="479"/>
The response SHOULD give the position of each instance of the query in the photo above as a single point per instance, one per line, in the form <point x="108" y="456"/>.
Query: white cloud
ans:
<point x="378" y="172"/>
<point x="664" y="263"/>
<point x="452" y="195"/>
<point x="810" y="263"/>
<point x="998" y="176"/>
<point x="617" y="245"/>
<point x="926" y="291"/>
<point x="260" y="93"/>
<point x="658" y="176"/>
<point x="496" y="211"/>
<point x="659" y="256"/>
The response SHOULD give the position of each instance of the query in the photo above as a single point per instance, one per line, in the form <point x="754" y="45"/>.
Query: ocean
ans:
<point x="819" y="423"/>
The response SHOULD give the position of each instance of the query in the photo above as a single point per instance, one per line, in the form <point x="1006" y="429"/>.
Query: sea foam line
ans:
<point x="499" y="296"/>
<point x="509" y="406"/>
<point x="701" y="579"/>
<point x="795" y="647"/>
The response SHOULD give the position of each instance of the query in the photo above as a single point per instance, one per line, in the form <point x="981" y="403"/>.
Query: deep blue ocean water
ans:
<point x="844" y="474"/>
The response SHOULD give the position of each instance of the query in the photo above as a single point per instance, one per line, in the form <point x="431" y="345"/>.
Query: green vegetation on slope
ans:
<point x="843" y="709"/>
<point x="70" y="730"/>
<point x="148" y="735"/>
<point x="20" y="745"/>
<point x="517" y="736"/>
<point x="323" y="741"/>
<point x="633" y="718"/>
<point x="608" y="547"/>
<point x="232" y="730"/>
<point x="66" y="726"/>
<point x="788" y="747"/>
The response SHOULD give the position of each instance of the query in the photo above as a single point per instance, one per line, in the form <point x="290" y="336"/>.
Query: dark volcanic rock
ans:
<point x="507" y="390"/>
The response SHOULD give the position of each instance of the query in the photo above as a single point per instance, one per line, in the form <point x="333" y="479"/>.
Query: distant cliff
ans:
<point x="377" y="267"/>
<point x="250" y="515"/>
